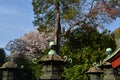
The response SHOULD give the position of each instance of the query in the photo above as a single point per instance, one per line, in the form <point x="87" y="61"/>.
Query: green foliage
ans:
<point x="36" y="70"/>
<point x="44" y="11"/>
<point x="2" y="59"/>
<point x="74" y="12"/>
<point x="2" y="56"/>
<point x="85" y="45"/>
<point x="75" y="73"/>
<point x="29" y="71"/>
<point x="117" y="36"/>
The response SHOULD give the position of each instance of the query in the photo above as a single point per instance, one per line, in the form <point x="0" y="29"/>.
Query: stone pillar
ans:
<point x="9" y="71"/>
<point x="94" y="73"/>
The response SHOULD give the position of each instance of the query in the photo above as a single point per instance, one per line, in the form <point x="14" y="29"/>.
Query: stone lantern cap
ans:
<point x="52" y="43"/>
<point x="105" y="64"/>
<point x="8" y="65"/>
<point x="51" y="58"/>
<point x="94" y="70"/>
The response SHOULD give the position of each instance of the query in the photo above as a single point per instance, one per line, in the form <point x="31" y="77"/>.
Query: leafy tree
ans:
<point x="85" y="45"/>
<point x="2" y="59"/>
<point x="16" y="44"/>
<point x="117" y="36"/>
<point x="45" y="12"/>
<point x="47" y="15"/>
<point x="26" y="68"/>
<point x="24" y="49"/>
<point x="2" y="56"/>
<point x="31" y="44"/>
<point x="73" y="13"/>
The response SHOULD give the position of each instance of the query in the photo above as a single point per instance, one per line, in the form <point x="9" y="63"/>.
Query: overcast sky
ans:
<point x="16" y="18"/>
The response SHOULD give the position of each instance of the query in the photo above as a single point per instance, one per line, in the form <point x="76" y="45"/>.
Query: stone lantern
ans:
<point x="9" y="71"/>
<point x="52" y="65"/>
<point x="94" y="73"/>
<point x="109" y="72"/>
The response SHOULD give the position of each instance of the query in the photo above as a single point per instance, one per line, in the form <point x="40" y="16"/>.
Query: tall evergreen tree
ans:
<point x="51" y="14"/>
<point x="48" y="15"/>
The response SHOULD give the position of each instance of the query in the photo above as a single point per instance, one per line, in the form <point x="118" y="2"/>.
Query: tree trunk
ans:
<point x="57" y="27"/>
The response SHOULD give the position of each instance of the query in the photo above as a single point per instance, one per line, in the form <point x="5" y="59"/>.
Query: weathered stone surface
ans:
<point x="9" y="71"/>
<point x="52" y="67"/>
